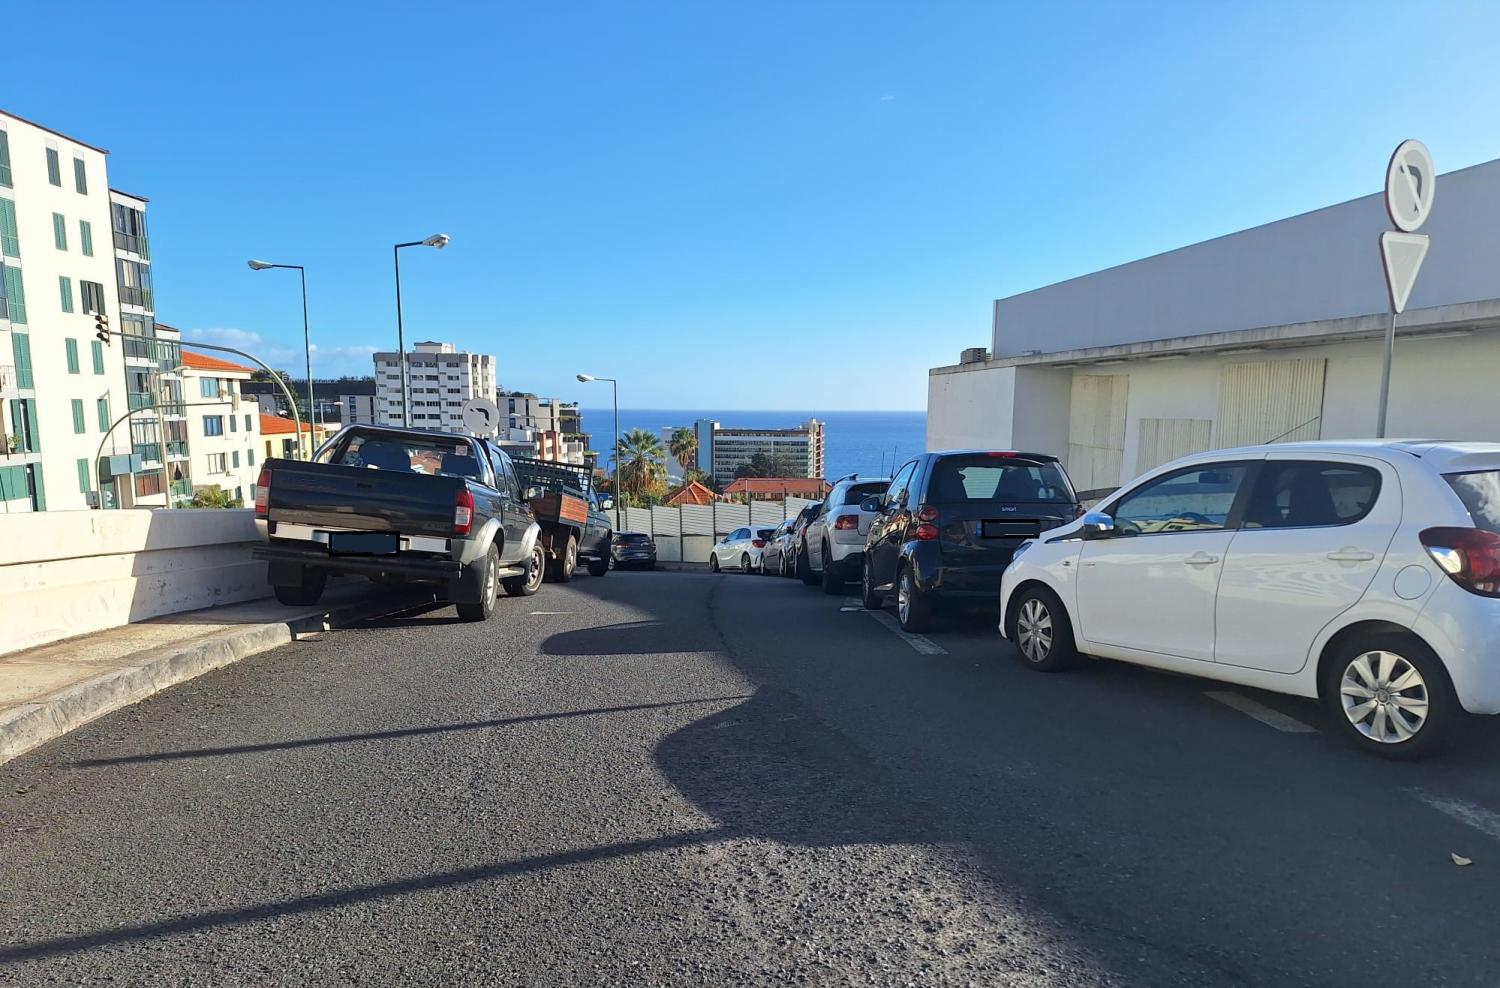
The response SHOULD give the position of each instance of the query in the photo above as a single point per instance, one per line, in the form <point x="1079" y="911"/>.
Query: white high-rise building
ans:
<point x="440" y="379"/>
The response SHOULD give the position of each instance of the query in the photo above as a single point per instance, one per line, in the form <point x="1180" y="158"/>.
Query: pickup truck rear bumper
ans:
<point x="316" y="555"/>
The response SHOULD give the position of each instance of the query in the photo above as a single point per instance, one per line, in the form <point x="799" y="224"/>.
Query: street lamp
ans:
<point x="438" y="240"/>
<point x="306" y="340"/>
<point x="585" y="379"/>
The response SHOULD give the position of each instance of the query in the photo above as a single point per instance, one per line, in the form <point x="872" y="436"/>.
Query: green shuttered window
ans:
<point x="71" y="346"/>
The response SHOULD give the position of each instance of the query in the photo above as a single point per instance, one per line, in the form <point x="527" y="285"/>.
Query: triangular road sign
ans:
<point x="1403" y="254"/>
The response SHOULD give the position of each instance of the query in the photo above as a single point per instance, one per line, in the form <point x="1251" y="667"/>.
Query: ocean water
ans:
<point x="866" y="443"/>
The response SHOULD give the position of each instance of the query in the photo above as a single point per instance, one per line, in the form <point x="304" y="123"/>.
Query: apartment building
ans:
<point x="61" y="388"/>
<point x="357" y="409"/>
<point x="440" y="377"/>
<point x="278" y="437"/>
<point x="223" y="427"/>
<point x="799" y="451"/>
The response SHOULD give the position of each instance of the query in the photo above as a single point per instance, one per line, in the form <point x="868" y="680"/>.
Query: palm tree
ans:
<point x="684" y="447"/>
<point x="642" y="461"/>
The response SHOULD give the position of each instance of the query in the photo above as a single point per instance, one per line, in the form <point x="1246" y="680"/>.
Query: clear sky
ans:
<point x="753" y="205"/>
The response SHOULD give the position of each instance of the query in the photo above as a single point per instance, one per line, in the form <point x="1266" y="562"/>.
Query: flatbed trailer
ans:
<point x="572" y="528"/>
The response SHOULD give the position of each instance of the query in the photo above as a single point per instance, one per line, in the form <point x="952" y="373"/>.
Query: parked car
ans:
<point x="1362" y="573"/>
<point x="794" y="537"/>
<point x="634" y="549"/>
<point x="774" y="556"/>
<point x="946" y="527"/>
<point x="740" y="549"/>
<point x="400" y="505"/>
<point x="833" y="543"/>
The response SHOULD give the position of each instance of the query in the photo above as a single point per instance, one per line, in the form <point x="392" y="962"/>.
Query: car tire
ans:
<point x="529" y="582"/>
<point x="599" y="567"/>
<point x="713" y="562"/>
<point x="745" y="563"/>
<point x="913" y="607"/>
<point x="867" y="595"/>
<point x="304" y="593"/>
<point x="831" y="582"/>
<point x="1419" y="714"/>
<point x="1041" y="631"/>
<point x="563" y="567"/>
<point x="804" y="567"/>
<point x="489" y="589"/>
<point x="760" y="567"/>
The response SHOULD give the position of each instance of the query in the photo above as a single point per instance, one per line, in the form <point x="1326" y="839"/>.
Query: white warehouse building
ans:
<point x="1275" y="332"/>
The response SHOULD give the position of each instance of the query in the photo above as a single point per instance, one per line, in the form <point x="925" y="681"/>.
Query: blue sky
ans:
<point x="756" y="205"/>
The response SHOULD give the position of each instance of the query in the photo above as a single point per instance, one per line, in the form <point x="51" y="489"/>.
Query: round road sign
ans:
<point x="1409" y="186"/>
<point x="481" y="416"/>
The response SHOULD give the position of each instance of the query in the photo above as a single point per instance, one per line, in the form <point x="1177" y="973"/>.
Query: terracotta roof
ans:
<point x="691" y="492"/>
<point x="273" y="424"/>
<point x="776" y="485"/>
<point x="202" y="361"/>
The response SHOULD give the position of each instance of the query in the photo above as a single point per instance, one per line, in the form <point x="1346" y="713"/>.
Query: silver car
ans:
<point x="741" y="549"/>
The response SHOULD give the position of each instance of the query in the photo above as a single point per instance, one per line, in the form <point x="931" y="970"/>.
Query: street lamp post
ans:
<point x="585" y="379"/>
<point x="438" y="240"/>
<point x="306" y="339"/>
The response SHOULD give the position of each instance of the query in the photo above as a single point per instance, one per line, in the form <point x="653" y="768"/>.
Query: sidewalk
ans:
<point x="48" y="691"/>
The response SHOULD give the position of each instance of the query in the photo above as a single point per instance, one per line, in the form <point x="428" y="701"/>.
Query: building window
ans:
<point x="247" y="422"/>
<point x="250" y="457"/>
<point x="102" y="409"/>
<point x="80" y="177"/>
<point x="213" y="425"/>
<point x="208" y="387"/>
<point x="20" y="346"/>
<point x="96" y="348"/>
<point x="233" y="424"/>
<point x="218" y="463"/>
<point x="54" y="168"/>
<point x="86" y="238"/>
<point x="78" y="425"/>
<point x="71" y="347"/>
<point x="4" y="159"/>
<point x="59" y="231"/>
<point x="83" y="477"/>
<point x="130" y="229"/>
<point x="10" y="244"/>
<point x="65" y="289"/>
<point x="235" y="459"/>
<point x="135" y="282"/>
<point x="91" y="293"/>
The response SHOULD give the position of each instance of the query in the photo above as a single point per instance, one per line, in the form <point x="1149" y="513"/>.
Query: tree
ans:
<point x="214" y="497"/>
<point x="642" y="462"/>
<point x="765" y="465"/>
<point x="684" y="447"/>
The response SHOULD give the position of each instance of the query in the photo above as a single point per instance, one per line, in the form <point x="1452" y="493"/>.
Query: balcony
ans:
<point x="132" y="243"/>
<point x="8" y="382"/>
<point x="177" y="450"/>
<point x="182" y="488"/>
<point x="137" y="401"/>
<point x="137" y="296"/>
<point x="148" y="452"/>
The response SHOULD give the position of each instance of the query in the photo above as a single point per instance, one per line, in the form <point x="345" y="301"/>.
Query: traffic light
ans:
<point x="101" y="328"/>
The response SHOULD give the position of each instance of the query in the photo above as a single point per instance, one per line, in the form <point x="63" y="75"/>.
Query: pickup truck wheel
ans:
<point x="600" y="566"/>
<point x="562" y="569"/>
<point x="531" y="581"/>
<point x="489" y="589"/>
<point x="304" y="593"/>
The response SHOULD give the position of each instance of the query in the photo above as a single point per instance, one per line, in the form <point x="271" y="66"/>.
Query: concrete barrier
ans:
<point x="66" y="573"/>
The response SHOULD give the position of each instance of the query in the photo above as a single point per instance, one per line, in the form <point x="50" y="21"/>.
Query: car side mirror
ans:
<point x="1097" y="524"/>
<point x="871" y="503"/>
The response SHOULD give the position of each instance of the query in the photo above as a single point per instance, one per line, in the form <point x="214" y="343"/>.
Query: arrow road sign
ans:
<point x="481" y="416"/>
<point x="1409" y="186"/>
<point x="1402" y="254"/>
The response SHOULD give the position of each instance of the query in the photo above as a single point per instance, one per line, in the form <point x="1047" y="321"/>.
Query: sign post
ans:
<point x="1409" y="185"/>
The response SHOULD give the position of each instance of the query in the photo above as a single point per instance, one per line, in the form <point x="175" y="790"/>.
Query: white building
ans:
<point x="358" y="409"/>
<point x="60" y="387"/>
<point x="1270" y="333"/>
<point x="440" y="379"/>
<point x="722" y="451"/>
<point x="223" y="427"/>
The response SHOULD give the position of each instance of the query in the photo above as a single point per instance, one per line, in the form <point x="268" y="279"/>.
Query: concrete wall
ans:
<point x="972" y="408"/>
<point x="66" y="573"/>
<point x="1320" y="265"/>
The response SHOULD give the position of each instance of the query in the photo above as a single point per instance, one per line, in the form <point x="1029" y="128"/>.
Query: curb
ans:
<point x="30" y="725"/>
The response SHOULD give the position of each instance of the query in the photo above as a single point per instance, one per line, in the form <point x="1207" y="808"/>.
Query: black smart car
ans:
<point x="949" y="522"/>
<point x="633" y="549"/>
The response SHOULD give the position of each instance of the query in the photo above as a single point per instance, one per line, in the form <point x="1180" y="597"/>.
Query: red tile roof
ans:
<point x="798" y="486"/>
<point x="270" y="425"/>
<point x="202" y="361"/>
<point x="691" y="493"/>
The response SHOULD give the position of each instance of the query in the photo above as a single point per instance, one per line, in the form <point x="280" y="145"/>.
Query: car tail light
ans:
<point x="927" y="532"/>
<point x="846" y="523"/>
<point x="927" y="513"/>
<point x="463" y="511"/>
<point x="1470" y="557"/>
<point x="263" y="493"/>
<point x="758" y="543"/>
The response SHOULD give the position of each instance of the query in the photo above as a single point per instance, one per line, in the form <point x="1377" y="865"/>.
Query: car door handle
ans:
<point x="1201" y="559"/>
<point x="1349" y="554"/>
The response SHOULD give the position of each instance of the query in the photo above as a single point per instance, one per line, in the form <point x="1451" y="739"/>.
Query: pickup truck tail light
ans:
<point x="263" y="493"/>
<point x="1470" y="557"/>
<point x="845" y="523"/>
<point x="463" y="511"/>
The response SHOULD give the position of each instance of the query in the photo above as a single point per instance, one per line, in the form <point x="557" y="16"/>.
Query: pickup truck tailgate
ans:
<point x="336" y="496"/>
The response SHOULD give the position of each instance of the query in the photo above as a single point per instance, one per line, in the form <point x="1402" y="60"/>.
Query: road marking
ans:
<point x="921" y="643"/>
<point x="1261" y="712"/>
<point x="549" y="613"/>
<point x="1481" y="819"/>
<point x="847" y="609"/>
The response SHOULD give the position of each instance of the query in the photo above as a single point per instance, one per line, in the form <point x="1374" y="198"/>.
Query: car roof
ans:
<point x="1019" y="454"/>
<point x="1440" y="454"/>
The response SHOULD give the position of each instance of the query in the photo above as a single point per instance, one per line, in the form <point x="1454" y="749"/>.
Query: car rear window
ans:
<point x="855" y="493"/>
<point x="992" y="478"/>
<point x="764" y="533"/>
<point x="1480" y="493"/>
<point x="632" y="537"/>
<point x="411" y="454"/>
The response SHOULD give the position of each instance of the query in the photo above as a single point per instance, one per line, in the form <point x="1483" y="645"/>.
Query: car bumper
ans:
<point x="1464" y="630"/>
<point x="939" y="577"/>
<point x="635" y="557"/>
<point x="849" y="566"/>
<point x="316" y="556"/>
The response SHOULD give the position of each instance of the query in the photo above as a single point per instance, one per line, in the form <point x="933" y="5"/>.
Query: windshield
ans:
<point x="1480" y="493"/>
<point x="411" y="454"/>
<point x="987" y="478"/>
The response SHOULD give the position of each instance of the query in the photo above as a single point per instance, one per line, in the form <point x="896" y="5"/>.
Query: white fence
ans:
<point x="686" y="533"/>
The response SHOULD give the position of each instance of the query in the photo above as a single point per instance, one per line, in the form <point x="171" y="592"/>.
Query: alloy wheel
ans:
<point x="1034" y="630"/>
<point x="904" y="592"/>
<point x="1384" y="696"/>
<point x="491" y="581"/>
<point x="534" y="572"/>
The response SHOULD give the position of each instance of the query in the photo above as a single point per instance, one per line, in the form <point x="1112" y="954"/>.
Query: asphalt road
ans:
<point x="675" y="778"/>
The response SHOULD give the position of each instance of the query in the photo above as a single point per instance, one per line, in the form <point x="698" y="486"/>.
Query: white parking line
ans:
<point x="1261" y="712"/>
<point x="1481" y="819"/>
<point x="922" y="644"/>
<point x="549" y="613"/>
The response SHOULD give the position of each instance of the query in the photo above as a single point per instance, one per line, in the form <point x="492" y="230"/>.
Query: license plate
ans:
<point x="1009" y="529"/>
<point x="363" y="543"/>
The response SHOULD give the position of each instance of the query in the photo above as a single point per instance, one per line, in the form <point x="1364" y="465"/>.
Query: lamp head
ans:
<point x="438" y="240"/>
<point x="260" y="265"/>
<point x="585" y="378"/>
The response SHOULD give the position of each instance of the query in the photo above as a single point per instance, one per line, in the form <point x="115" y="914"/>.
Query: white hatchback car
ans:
<point x="1362" y="573"/>
<point x="740" y="549"/>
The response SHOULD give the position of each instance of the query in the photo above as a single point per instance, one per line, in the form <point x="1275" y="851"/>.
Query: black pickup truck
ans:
<point x="398" y="506"/>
